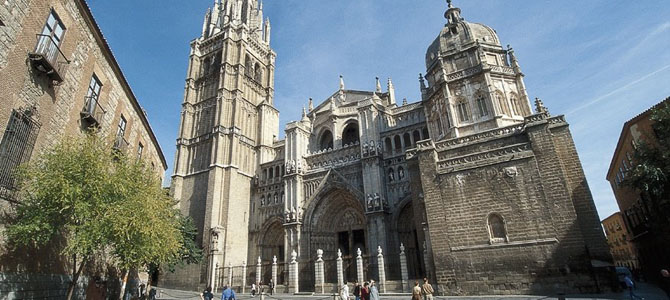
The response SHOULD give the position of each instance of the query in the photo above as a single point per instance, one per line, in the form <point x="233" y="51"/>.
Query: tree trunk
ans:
<point x="75" y="277"/>
<point x="123" y="285"/>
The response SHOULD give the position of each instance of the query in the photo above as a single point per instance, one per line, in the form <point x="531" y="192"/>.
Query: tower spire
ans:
<point x="341" y="82"/>
<point x="378" y="86"/>
<point x="391" y="91"/>
<point x="453" y="14"/>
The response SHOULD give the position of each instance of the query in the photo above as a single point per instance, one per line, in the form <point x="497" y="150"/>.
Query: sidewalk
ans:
<point x="648" y="291"/>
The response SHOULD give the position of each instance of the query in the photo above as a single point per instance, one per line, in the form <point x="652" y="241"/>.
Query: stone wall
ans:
<point x="531" y="177"/>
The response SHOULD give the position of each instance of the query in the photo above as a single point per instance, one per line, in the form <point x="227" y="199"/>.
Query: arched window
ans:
<point x="326" y="140"/>
<point x="497" y="231"/>
<point x="271" y="173"/>
<point x="463" y="113"/>
<point x="401" y="173"/>
<point x="277" y="171"/>
<point x="350" y="134"/>
<point x="258" y="72"/>
<point x="416" y="135"/>
<point x="281" y="197"/>
<point x="516" y="108"/>
<point x="397" y="143"/>
<point x="424" y="133"/>
<point x="391" y="174"/>
<point x="248" y="66"/>
<point x="387" y="143"/>
<point x="481" y="105"/>
<point x="503" y="103"/>
<point x="408" y="139"/>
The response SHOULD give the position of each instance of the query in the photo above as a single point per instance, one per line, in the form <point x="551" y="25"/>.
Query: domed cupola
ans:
<point x="474" y="84"/>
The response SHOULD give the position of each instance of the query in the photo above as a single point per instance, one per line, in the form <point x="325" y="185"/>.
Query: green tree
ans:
<point x="651" y="172"/>
<point x="99" y="201"/>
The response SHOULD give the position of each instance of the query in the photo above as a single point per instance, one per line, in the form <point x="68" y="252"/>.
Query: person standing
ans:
<point x="227" y="293"/>
<point x="374" y="293"/>
<point x="272" y="287"/>
<point x="427" y="290"/>
<point x="344" y="293"/>
<point x="357" y="290"/>
<point x="207" y="294"/>
<point x="253" y="289"/>
<point x="416" y="291"/>
<point x="365" y="291"/>
<point x="631" y="288"/>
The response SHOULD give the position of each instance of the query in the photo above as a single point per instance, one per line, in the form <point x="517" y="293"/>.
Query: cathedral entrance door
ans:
<point x="408" y="237"/>
<point x="272" y="245"/>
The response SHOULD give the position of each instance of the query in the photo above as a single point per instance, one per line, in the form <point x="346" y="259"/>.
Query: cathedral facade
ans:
<point x="483" y="194"/>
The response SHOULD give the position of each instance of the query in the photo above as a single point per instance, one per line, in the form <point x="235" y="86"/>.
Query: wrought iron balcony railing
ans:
<point x="92" y="112"/>
<point x="48" y="58"/>
<point x="120" y="143"/>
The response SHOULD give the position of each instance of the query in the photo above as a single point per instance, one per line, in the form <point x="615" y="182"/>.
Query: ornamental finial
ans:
<point x="449" y="4"/>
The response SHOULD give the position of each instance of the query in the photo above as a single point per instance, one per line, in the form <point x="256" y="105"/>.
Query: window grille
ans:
<point x="16" y="147"/>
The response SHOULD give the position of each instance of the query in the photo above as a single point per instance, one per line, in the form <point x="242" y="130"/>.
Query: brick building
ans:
<point x="635" y="207"/>
<point x="58" y="77"/>
<point x="618" y="238"/>
<point x="468" y="186"/>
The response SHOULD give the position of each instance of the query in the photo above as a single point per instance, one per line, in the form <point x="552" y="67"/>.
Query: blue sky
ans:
<point x="598" y="62"/>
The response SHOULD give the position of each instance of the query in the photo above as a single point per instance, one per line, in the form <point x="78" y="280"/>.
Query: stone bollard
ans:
<point x="340" y="274"/>
<point x="230" y="274"/>
<point x="318" y="271"/>
<point x="293" y="274"/>
<point x="259" y="269"/>
<point x="263" y="296"/>
<point x="403" y="268"/>
<point x="359" y="266"/>
<point x="382" y="271"/>
<point x="274" y="272"/>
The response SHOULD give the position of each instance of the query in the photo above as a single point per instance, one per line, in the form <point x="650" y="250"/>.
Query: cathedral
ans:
<point x="472" y="187"/>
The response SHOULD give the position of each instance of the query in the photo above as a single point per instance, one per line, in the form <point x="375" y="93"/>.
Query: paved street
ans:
<point x="648" y="291"/>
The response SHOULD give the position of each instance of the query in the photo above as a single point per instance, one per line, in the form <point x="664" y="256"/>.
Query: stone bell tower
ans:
<point x="228" y="125"/>
<point x="474" y="84"/>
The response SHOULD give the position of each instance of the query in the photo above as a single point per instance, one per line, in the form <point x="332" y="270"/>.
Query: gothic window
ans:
<point x="463" y="114"/>
<point x="397" y="143"/>
<point x="416" y="135"/>
<point x="350" y="134"/>
<point x="262" y="200"/>
<point x="391" y="175"/>
<point x="401" y="173"/>
<point x="503" y="103"/>
<point x="408" y="139"/>
<point x="424" y="133"/>
<point x="248" y="66"/>
<point x="326" y="140"/>
<point x="389" y="146"/>
<point x="497" y="231"/>
<point x="17" y="145"/>
<point x="140" y="149"/>
<point x="271" y="174"/>
<point x="481" y="105"/>
<point x="516" y="107"/>
<point x="281" y="197"/>
<point x="277" y="171"/>
<point x="206" y="64"/>
<point x="258" y="73"/>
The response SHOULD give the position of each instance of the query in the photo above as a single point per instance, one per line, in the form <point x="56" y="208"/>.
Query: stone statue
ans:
<point x="402" y="249"/>
<point x="274" y="259"/>
<point x="391" y="176"/>
<point x="365" y="148"/>
<point x="259" y="261"/>
<point x="358" y="252"/>
<point x="370" y="201"/>
<point x="287" y="216"/>
<point x="294" y="255"/>
<point x="401" y="173"/>
<point x="379" y="250"/>
<point x="377" y="200"/>
<point x="319" y="254"/>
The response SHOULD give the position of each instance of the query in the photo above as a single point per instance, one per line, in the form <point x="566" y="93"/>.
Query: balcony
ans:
<point x="48" y="58"/>
<point x="120" y="143"/>
<point x="92" y="112"/>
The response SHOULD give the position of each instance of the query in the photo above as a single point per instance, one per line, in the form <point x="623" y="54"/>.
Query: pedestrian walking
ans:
<point x="227" y="294"/>
<point x="365" y="291"/>
<point x="416" y="291"/>
<point x="357" y="290"/>
<point x="260" y="288"/>
<point x="344" y="292"/>
<point x="374" y="293"/>
<point x="631" y="288"/>
<point x="427" y="290"/>
<point x="272" y="287"/>
<point x="253" y="289"/>
<point x="207" y="294"/>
